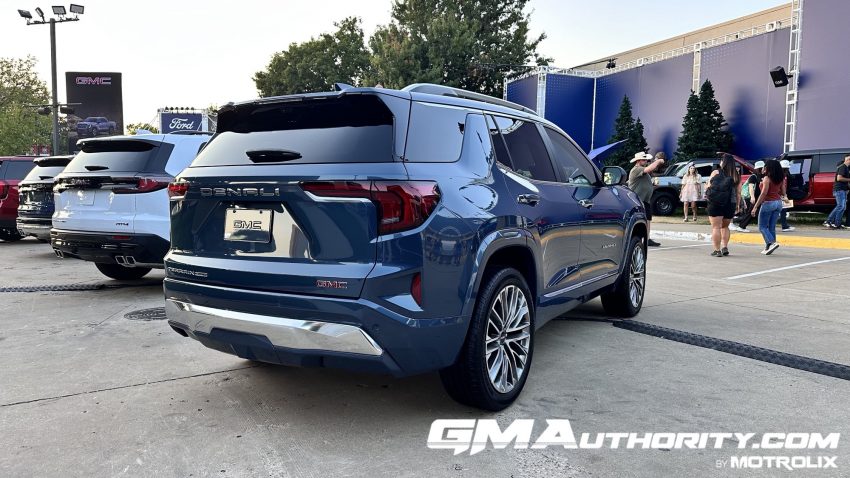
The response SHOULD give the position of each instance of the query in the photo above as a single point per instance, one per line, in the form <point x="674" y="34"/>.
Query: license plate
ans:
<point x="248" y="225"/>
<point x="85" y="197"/>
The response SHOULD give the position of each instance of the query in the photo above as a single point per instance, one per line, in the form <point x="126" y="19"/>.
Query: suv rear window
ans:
<point x="347" y="129"/>
<point x="120" y="155"/>
<point x="16" y="169"/>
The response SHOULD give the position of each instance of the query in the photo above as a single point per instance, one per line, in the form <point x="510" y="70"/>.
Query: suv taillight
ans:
<point x="178" y="189"/>
<point x="401" y="205"/>
<point x="141" y="184"/>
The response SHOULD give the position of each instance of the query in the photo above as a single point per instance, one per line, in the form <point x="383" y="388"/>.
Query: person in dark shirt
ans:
<point x="839" y="191"/>
<point x="753" y="186"/>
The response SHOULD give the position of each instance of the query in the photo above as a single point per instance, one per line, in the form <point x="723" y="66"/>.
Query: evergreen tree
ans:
<point x="704" y="130"/>
<point x="636" y="141"/>
<point x="624" y="127"/>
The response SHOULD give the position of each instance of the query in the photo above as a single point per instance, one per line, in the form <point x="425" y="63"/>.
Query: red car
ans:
<point x="812" y="177"/>
<point x="12" y="170"/>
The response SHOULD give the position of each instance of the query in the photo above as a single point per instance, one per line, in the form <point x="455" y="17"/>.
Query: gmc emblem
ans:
<point x="252" y="225"/>
<point x="97" y="80"/>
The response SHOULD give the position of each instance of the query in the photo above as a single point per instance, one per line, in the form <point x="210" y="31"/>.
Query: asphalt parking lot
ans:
<point x="91" y="389"/>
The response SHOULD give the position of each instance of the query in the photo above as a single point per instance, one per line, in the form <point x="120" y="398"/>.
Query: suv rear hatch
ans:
<point x="98" y="190"/>
<point x="36" y="190"/>
<point x="292" y="194"/>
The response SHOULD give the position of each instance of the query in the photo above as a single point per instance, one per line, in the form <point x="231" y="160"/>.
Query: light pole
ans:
<point x="59" y="11"/>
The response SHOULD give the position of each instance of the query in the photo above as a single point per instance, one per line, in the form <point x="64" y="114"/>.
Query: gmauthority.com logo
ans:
<point x="461" y="435"/>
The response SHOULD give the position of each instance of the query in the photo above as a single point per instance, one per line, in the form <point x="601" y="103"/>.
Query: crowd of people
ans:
<point x="763" y="197"/>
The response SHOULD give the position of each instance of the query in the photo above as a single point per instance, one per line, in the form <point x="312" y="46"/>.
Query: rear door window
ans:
<point x="573" y="165"/>
<point x="106" y="156"/>
<point x="347" y="129"/>
<point x="528" y="153"/>
<point x="829" y="162"/>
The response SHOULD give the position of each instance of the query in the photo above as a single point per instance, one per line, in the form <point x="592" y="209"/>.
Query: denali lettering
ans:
<point x="239" y="192"/>
<point x="175" y="270"/>
<point x="331" y="284"/>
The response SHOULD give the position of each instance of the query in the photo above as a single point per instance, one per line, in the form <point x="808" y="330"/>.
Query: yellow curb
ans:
<point x="793" y="240"/>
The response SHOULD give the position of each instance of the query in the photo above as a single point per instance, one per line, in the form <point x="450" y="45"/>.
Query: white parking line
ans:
<point x="796" y="266"/>
<point x="678" y="247"/>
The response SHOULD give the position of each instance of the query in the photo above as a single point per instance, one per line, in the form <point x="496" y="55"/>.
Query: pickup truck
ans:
<point x="95" y="126"/>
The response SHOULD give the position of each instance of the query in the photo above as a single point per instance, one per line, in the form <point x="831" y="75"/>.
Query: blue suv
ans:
<point x="397" y="231"/>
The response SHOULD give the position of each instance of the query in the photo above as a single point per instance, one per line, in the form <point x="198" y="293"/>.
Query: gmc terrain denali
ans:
<point x="399" y="232"/>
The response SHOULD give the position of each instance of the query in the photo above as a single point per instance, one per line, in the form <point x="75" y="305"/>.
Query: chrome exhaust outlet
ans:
<point x="121" y="260"/>
<point x="131" y="261"/>
<point x="59" y="253"/>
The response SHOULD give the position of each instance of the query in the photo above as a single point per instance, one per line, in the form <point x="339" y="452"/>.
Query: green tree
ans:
<point x="704" y="130"/>
<point x="20" y="125"/>
<point x="315" y="65"/>
<point x="628" y="129"/>
<point x="465" y="44"/>
<point x="133" y="127"/>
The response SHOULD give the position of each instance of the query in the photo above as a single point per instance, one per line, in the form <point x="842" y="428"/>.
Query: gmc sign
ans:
<point x="96" y="80"/>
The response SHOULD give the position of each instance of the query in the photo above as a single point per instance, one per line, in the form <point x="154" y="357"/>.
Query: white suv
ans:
<point x="112" y="201"/>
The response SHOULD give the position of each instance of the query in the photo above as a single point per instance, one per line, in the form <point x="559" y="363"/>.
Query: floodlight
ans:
<point x="25" y="14"/>
<point x="611" y="64"/>
<point x="59" y="10"/>
<point x="779" y="77"/>
<point x="39" y="13"/>
<point x="66" y="110"/>
<point x="77" y="9"/>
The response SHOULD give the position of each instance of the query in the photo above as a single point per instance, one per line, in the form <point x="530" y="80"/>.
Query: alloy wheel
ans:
<point x="637" y="275"/>
<point x="508" y="338"/>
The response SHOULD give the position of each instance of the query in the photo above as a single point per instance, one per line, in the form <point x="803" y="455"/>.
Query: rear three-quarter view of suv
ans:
<point x="112" y="201"/>
<point x="13" y="169"/>
<point x="396" y="231"/>
<point x="35" y="211"/>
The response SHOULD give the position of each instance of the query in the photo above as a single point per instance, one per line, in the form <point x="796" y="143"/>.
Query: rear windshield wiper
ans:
<point x="96" y="168"/>
<point x="272" y="155"/>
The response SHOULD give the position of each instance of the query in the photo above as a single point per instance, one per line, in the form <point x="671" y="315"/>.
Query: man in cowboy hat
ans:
<point x="641" y="183"/>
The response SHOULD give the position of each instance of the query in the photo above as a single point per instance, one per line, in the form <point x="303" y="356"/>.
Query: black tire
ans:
<point x="664" y="204"/>
<point x="10" y="235"/>
<point x="620" y="302"/>
<point x="468" y="380"/>
<point x="119" y="272"/>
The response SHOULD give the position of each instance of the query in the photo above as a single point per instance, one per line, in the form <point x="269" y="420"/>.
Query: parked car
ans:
<point x="812" y="177"/>
<point x="668" y="186"/>
<point x="12" y="170"/>
<point x="397" y="231"/>
<point x="112" y="202"/>
<point x="95" y="126"/>
<point x="35" y="210"/>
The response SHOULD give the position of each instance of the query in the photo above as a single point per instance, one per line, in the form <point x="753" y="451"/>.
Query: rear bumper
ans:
<point x="146" y="250"/>
<point x="311" y="331"/>
<point x="35" y="226"/>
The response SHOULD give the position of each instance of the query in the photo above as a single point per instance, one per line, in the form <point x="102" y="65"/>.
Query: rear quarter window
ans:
<point x="17" y="169"/>
<point x="435" y="134"/>
<point x="347" y="129"/>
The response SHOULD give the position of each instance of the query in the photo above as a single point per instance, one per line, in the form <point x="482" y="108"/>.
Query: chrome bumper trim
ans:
<point x="282" y="332"/>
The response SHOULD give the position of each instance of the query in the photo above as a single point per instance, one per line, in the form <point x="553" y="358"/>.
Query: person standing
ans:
<point x="641" y="183"/>
<point x="783" y="216"/>
<point x="691" y="185"/>
<point x="839" y="192"/>
<point x="750" y="192"/>
<point x="722" y="201"/>
<point x="770" y="201"/>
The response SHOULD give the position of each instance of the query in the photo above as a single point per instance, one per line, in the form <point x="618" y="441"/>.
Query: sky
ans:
<point x="195" y="53"/>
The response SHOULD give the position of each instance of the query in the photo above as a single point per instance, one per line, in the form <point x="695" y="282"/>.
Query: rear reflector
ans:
<point x="401" y="205"/>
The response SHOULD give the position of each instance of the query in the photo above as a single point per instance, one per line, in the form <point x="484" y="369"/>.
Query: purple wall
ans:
<point x="524" y="92"/>
<point x="754" y="109"/>
<point x="569" y="104"/>
<point x="658" y="93"/>
<point x="823" y="106"/>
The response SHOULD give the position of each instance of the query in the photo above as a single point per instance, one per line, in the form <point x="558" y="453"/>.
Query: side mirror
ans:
<point x="614" y="175"/>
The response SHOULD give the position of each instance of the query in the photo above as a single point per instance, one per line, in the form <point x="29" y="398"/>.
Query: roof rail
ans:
<point x="442" y="90"/>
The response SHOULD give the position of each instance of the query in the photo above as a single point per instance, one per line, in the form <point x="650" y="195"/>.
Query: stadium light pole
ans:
<point x="59" y="11"/>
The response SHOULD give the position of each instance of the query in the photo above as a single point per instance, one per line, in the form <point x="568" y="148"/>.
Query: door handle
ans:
<point x="530" y="199"/>
<point x="586" y="203"/>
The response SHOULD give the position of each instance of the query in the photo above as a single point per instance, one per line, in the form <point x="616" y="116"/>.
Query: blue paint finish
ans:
<point x="524" y="92"/>
<point x="658" y="92"/>
<point x="569" y="104"/>
<point x="823" y="108"/>
<point x="754" y="109"/>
